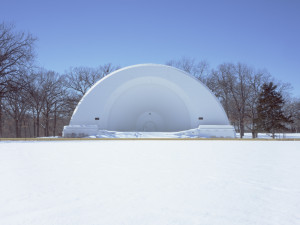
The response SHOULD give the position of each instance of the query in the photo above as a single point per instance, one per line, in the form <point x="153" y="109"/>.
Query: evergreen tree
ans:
<point x="270" y="116"/>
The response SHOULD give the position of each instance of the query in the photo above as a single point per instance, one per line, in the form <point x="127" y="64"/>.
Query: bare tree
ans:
<point x="231" y="83"/>
<point x="80" y="79"/>
<point x="200" y="69"/>
<point x="37" y="92"/>
<point x="54" y="92"/>
<point x="241" y="91"/>
<point x="296" y="115"/>
<point x="107" y="69"/>
<point x="16" y="106"/>
<point x="16" y="54"/>
<point x="219" y="84"/>
<point x="292" y="109"/>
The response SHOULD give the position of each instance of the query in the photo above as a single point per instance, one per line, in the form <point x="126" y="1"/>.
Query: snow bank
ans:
<point x="149" y="182"/>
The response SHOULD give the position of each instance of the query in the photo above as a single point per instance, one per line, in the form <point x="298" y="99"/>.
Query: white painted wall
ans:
<point x="149" y="97"/>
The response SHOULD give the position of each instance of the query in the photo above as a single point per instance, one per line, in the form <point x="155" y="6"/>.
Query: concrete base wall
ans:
<point x="205" y="131"/>
<point x="219" y="131"/>
<point x="79" y="131"/>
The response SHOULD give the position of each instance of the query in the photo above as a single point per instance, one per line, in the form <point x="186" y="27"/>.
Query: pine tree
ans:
<point x="270" y="116"/>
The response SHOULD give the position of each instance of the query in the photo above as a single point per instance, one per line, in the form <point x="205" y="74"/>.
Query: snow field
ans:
<point x="149" y="182"/>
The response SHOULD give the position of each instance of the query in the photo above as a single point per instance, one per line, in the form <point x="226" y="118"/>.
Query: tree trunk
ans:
<point x="54" y="122"/>
<point x="254" y="134"/>
<point x="17" y="128"/>
<point x="47" y="125"/>
<point x="37" y="124"/>
<point x="273" y="134"/>
<point x="20" y="128"/>
<point x="25" y="127"/>
<point x="254" y="131"/>
<point x="242" y="128"/>
<point x="29" y="129"/>
<point x="34" y="126"/>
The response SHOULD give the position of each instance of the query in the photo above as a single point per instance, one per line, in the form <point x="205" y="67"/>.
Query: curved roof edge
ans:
<point x="153" y="65"/>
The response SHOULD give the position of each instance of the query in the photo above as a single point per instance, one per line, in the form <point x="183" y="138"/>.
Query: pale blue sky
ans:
<point x="263" y="34"/>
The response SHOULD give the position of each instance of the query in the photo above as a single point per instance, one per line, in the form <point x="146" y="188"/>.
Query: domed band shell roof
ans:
<point x="149" y="97"/>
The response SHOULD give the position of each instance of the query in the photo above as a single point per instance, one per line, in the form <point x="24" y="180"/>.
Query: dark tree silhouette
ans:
<point x="270" y="115"/>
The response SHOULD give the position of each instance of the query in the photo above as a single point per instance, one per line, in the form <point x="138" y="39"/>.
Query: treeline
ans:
<point x="241" y="90"/>
<point x="34" y="101"/>
<point x="44" y="101"/>
<point x="37" y="102"/>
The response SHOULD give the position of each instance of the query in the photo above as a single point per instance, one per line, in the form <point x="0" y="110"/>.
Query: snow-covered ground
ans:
<point x="149" y="182"/>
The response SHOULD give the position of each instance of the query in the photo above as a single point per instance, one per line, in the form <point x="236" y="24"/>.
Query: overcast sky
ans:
<point x="264" y="34"/>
